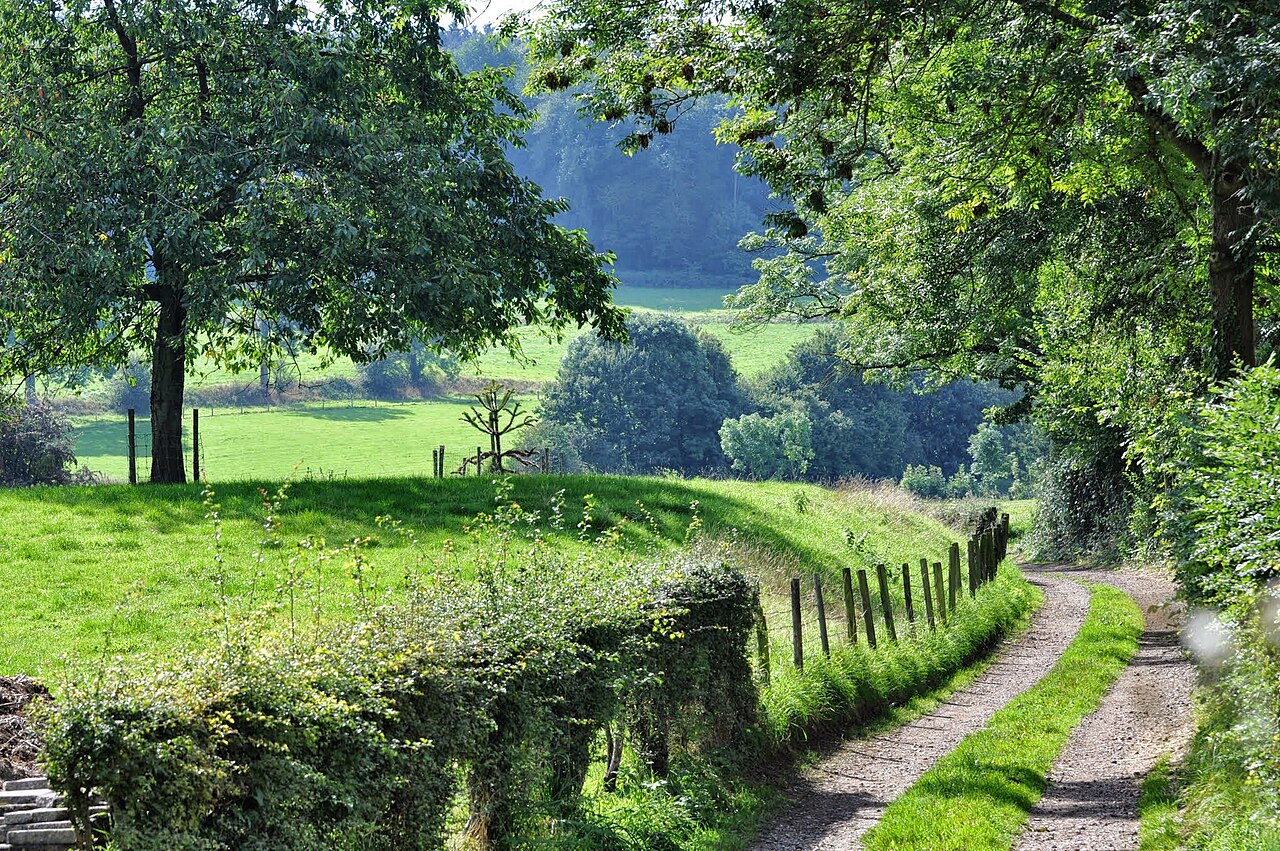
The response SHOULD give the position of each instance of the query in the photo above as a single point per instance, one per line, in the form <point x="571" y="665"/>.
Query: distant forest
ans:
<point x="673" y="214"/>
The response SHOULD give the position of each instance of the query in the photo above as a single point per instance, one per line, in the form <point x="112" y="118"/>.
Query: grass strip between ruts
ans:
<point x="979" y="795"/>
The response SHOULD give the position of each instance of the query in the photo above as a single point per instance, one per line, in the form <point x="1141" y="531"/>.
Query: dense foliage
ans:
<point x="861" y="427"/>
<point x="1081" y="201"/>
<point x="656" y="402"/>
<point x="336" y="733"/>
<point x="1220" y="516"/>
<point x="178" y="175"/>
<point x="35" y="446"/>
<point x="776" y="447"/>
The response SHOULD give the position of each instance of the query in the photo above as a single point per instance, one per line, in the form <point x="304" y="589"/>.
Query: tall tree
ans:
<point x="1012" y="130"/>
<point x="175" y="169"/>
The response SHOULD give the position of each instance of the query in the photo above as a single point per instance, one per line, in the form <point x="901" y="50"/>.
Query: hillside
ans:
<point x="124" y="570"/>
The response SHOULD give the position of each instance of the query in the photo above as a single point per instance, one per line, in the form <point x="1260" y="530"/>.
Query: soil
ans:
<point x="19" y="745"/>
<point x="833" y="803"/>
<point x="1092" y="799"/>
<point x="1092" y="796"/>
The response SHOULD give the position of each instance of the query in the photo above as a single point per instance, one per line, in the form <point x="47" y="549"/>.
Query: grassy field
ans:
<point x="753" y="351"/>
<point x="333" y="439"/>
<point x="136" y="564"/>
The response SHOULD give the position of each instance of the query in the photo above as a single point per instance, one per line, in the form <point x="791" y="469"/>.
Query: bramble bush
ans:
<point x="361" y="729"/>
<point x="35" y="446"/>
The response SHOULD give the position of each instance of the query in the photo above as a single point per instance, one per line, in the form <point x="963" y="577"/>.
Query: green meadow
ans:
<point x="122" y="570"/>
<point x="362" y="438"/>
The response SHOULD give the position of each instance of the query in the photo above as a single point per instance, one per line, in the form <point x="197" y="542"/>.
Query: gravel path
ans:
<point x="1092" y="799"/>
<point x="833" y="803"/>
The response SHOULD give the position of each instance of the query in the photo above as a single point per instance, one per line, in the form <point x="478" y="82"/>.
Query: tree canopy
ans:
<point x="177" y="173"/>
<point x="656" y="402"/>
<point x="961" y="173"/>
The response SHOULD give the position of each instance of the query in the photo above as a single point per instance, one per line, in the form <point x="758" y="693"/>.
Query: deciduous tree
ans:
<point x="174" y="171"/>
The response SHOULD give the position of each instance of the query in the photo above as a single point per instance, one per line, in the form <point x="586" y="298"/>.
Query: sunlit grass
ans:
<point x="135" y="563"/>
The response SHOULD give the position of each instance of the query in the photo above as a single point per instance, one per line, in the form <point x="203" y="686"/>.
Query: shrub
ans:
<point x="1085" y="507"/>
<point x="364" y="734"/>
<point x="927" y="482"/>
<point x="129" y="387"/>
<point x="35" y="446"/>
<point x="1216" y="464"/>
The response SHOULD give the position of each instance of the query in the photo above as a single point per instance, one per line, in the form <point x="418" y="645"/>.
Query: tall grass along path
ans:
<point x="837" y="800"/>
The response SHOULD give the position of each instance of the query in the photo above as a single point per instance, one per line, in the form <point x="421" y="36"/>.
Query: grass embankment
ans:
<point x="137" y="563"/>
<point x="979" y="795"/>
<point x="1213" y="800"/>
<point x="858" y="684"/>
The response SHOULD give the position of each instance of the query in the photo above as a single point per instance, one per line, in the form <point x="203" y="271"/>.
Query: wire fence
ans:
<point x="881" y="605"/>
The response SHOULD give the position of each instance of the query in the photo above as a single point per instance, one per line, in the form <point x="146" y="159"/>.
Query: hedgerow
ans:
<point x="1218" y="465"/>
<point x="367" y="730"/>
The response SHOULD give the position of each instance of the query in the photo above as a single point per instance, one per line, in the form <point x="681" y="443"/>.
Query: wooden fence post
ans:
<point x="546" y="459"/>
<point x="797" y="625"/>
<point x="868" y="614"/>
<point x="762" y="644"/>
<point x="1004" y="536"/>
<point x="928" y="597"/>
<point x="441" y="447"/>
<point x="990" y="540"/>
<point x="938" y="589"/>
<point x="435" y="463"/>
<point x="850" y="616"/>
<point x="886" y="602"/>
<point x="133" y="448"/>
<point x="973" y="566"/>
<point x="195" y="444"/>
<point x="953" y="575"/>
<point x="479" y="460"/>
<point x="822" y="616"/>
<point x="906" y="594"/>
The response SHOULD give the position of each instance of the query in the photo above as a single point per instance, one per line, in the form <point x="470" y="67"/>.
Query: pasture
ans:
<point x="124" y="570"/>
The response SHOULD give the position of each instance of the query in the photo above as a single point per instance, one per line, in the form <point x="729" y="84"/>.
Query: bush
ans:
<point x="927" y="482"/>
<point x="1085" y="507"/>
<point x="35" y="446"/>
<point x="364" y="734"/>
<point x="418" y="372"/>
<point x="129" y="387"/>
<point x="780" y="446"/>
<point x="1216" y="465"/>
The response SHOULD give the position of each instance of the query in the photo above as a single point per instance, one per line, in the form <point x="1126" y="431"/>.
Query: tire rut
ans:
<point x="833" y="803"/>
<point x="1092" y="797"/>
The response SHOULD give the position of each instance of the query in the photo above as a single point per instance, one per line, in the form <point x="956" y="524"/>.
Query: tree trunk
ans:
<point x="264" y="367"/>
<point x="33" y="395"/>
<point x="1231" y="272"/>
<point x="168" y="384"/>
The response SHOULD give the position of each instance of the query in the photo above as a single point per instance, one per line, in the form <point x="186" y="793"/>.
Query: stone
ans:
<point x="27" y="785"/>
<point x="26" y="838"/>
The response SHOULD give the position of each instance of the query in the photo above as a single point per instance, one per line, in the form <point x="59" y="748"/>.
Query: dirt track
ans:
<point x="1092" y="798"/>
